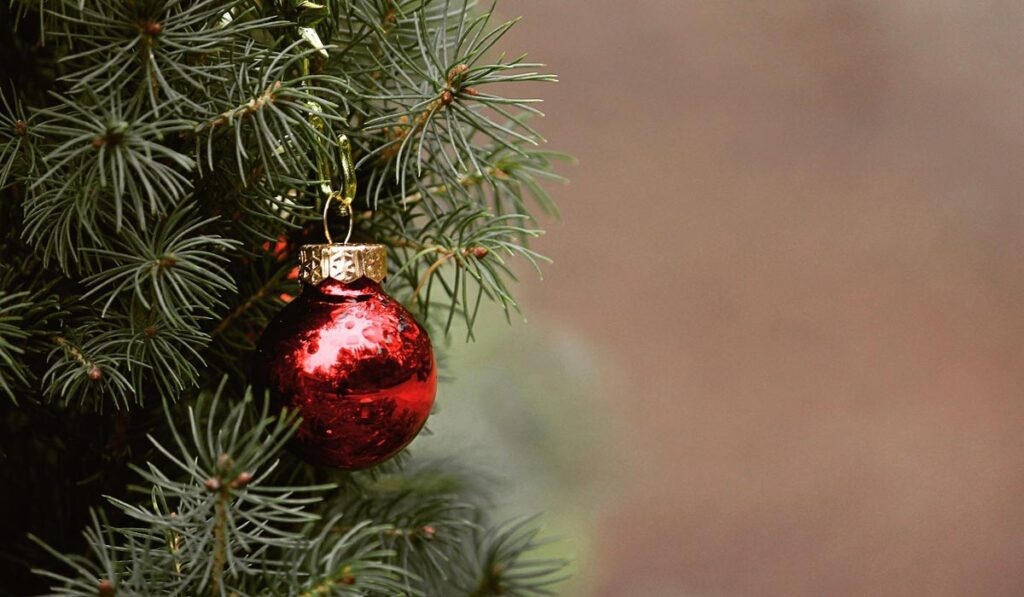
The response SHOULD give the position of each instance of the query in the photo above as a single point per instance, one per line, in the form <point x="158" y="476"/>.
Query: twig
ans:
<point x="220" y="540"/>
<point x="446" y="254"/>
<point x="220" y="522"/>
<point x="237" y="311"/>
<point x="465" y="182"/>
<point x="453" y="86"/>
<point x="344" y="577"/>
<point x="252" y="106"/>
<point x="72" y="350"/>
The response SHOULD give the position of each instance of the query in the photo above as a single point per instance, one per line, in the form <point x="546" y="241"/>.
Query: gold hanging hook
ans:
<point x="348" y="192"/>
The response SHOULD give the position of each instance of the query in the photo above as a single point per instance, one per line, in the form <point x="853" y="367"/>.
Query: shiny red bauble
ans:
<point x="355" y="365"/>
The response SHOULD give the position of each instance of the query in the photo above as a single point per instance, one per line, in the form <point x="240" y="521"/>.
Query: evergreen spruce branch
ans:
<point x="497" y="562"/>
<point x="30" y="315"/>
<point x="449" y="165"/>
<point x="359" y="22"/>
<point x="247" y="109"/>
<point x="61" y="221"/>
<point x="116" y="565"/>
<point x="178" y="271"/>
<point x="441" y="191"/>
<point x="170" y="357"/>
<point x="13" y="371"/>
<point x="477" y="243"/>
<point x="265" y="285"/>
<point x="266" y="282"/>
<point x="512" y="182"/>
<point x="155" y="47"/>
<point x="218" y="525"/>
<point x="162" y="359"/>
<point x="376" y="39"/>
<point x="268" y="211"/>
<point x="444" y="113"/>
<point x="437" y="511"/>
<point x="45" y="15"/>
<point x="520" y="176"/>
<point x="227" y="514"/>
<point x="88" y="367"/>
<point x="511" y="186"/>
<point x="98" y="145"/>
<point x="257" y="211"/>
<point x="268" y="115"/>
<point x="18" y="142"/>
<point x="249" y="305"/>
<point x="424" y="528"/>
<point x="352" y="563"/>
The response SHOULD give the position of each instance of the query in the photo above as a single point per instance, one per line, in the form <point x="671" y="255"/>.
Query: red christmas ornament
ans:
<point x="354" y="363"/>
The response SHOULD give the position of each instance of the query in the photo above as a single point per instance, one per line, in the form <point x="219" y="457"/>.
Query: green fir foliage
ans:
<point x="161" y="161"/>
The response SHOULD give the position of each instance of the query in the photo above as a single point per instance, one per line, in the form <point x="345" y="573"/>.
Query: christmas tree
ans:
<point x="161" y="163"/>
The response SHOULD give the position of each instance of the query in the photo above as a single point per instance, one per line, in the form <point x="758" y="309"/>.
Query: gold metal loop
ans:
<point x="344" y="209"/>
<point x="348" y="192"/>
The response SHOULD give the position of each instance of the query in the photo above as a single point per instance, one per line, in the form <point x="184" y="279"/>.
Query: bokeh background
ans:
<point x="779" y="351"/>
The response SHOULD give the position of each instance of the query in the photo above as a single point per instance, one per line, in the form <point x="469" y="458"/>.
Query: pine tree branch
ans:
<point x="327" y="586"/>
<point x="445" y="255"/>
<point x="249" y="108"/>
<point x="76" y="354"/>
<point x="166" y="114"/>
<point x="238" y="311"/>
<point x="219" y="536"/>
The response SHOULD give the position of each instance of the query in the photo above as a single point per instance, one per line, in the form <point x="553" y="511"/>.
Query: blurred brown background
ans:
<point x="796" y="238"/>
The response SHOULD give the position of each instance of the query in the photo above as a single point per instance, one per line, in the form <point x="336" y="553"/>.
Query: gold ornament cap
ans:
<point x="344" y="262"/>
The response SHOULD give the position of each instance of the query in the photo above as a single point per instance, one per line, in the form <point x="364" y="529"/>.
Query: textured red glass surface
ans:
<point x="357" y="367"/>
